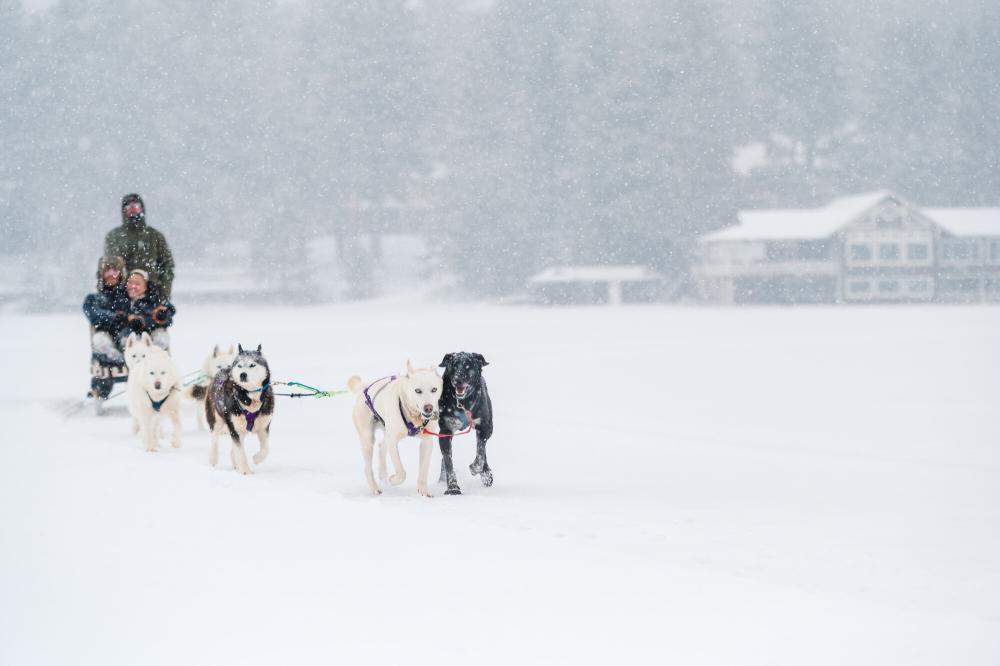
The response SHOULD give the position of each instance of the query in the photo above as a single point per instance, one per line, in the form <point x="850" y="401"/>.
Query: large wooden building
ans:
<point x="874" y="247"/>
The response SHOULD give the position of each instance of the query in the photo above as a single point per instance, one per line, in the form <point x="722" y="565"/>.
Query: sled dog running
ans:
<point x="400" y="406"/>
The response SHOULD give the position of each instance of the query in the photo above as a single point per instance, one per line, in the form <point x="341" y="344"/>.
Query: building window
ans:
<point x="959" y="284"/>
<point x="917" y="286"/>
<point x="959" y="251"/>
<point x="888" y="286"/>
<point x="888" y="251"/>
<point x="859" y="286"/>
<point x="916" y="251"/>
<point x="861" y="252"/>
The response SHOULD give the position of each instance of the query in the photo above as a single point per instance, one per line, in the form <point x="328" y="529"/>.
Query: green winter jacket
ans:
<point x="143" y="247"/>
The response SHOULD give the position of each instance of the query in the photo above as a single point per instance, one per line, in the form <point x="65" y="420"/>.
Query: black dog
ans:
<point x="464" y="389"/>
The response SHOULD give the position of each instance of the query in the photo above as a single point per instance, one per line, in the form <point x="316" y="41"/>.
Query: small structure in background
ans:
<point x="589" y="285"/>
<point x="873" y="247"/>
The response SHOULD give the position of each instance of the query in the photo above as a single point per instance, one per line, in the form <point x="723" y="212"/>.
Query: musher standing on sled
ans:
<point x="141" y="246"/>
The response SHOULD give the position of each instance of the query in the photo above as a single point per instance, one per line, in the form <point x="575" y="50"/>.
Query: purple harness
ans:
<point x="220" y="403"/>
<point x="411" y="429"/>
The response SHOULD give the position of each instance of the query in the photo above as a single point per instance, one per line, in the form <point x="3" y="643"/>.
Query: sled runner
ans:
<point x="104" y="374"/>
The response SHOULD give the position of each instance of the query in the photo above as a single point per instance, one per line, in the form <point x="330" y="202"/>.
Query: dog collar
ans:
<point x="411" y="429"/>
<point x="250" y="417"/>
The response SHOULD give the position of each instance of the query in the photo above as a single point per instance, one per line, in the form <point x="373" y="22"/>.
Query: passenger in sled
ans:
<point x="122" y="305"/>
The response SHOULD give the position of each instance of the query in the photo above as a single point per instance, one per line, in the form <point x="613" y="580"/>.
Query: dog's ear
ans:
<point x="146" y="340"/>
<point x="445" y="361"/>
<point x="481" y="359"/>
<point x="240" y="348"/>
<point x="130" y="341"/>
<point x="409" y="368"/>
<point x="215" y="352"/>
<point x="258" y="348"/>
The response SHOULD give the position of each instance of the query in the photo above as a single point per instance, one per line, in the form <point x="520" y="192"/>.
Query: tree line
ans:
<point x="515" y="134"/>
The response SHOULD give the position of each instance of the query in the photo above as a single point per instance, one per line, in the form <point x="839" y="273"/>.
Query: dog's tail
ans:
<point x="354" y="384"/>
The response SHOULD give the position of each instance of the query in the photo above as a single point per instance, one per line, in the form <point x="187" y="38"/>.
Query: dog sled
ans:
<point x="105" y="373"/>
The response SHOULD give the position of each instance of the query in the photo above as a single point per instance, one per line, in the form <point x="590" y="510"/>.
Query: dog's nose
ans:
<point x="243" y="376"/>
<point x="156" y="385"/>
<point x="428" y="409"/>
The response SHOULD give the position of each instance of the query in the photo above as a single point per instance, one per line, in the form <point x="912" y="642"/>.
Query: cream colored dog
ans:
<point x="218" y="360"/>
<point x="154" y="392"/>
<point x="401" y="406"/>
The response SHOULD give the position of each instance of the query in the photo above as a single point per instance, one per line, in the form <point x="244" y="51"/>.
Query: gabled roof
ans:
<point x="967" y="221"/>
<point x="595" y="274"/>
<point x="798" y="223"/>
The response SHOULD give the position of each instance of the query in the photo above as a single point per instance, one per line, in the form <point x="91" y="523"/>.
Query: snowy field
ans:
<point x="673" y="485"/>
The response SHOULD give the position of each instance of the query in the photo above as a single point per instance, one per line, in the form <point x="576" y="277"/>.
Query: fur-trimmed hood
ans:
<point x="110" y="262"/>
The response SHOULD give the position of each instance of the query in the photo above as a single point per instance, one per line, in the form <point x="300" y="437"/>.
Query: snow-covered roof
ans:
<point x="798" y="223"/>
<point x="595" y="274"/>
<point x="967" y="221"/>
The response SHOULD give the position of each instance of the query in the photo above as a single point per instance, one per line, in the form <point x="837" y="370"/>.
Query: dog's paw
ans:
<point x="397" y="479"/>
<point x="176" y="443"/>
<point x="453" y="490"/>
<point x="476" y="468"/>
<point x="423" y="491"/>
<point x="376" y="491"/>
<point x="258" y="458"/>
<point x="486" y="477"/>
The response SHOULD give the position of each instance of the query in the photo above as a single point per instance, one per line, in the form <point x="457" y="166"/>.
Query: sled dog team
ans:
<point x="239" y="400"/>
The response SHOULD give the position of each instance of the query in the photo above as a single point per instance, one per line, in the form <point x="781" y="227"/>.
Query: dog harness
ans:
<point x="411" y="429"/>
<point x="157" y="404"/>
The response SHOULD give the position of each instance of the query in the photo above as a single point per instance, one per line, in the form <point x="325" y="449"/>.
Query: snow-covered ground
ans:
<point x="673" y="485"/>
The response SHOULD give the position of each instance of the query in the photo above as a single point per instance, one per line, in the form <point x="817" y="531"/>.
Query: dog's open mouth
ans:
<point x="461" y="390"/>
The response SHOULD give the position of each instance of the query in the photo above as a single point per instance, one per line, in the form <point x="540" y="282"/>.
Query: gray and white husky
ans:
<point x="240" y="400"/>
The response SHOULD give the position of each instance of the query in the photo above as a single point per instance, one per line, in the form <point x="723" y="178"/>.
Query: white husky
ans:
<point x="154" y="392"/>
<point x="216" y="361"/>
<point x="400" y="406"/>
<point x="137" y="347"/>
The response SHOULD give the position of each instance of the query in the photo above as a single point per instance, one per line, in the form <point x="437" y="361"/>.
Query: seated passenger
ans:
<point x="107" y="310"/>
<point x="148" y="310"/>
